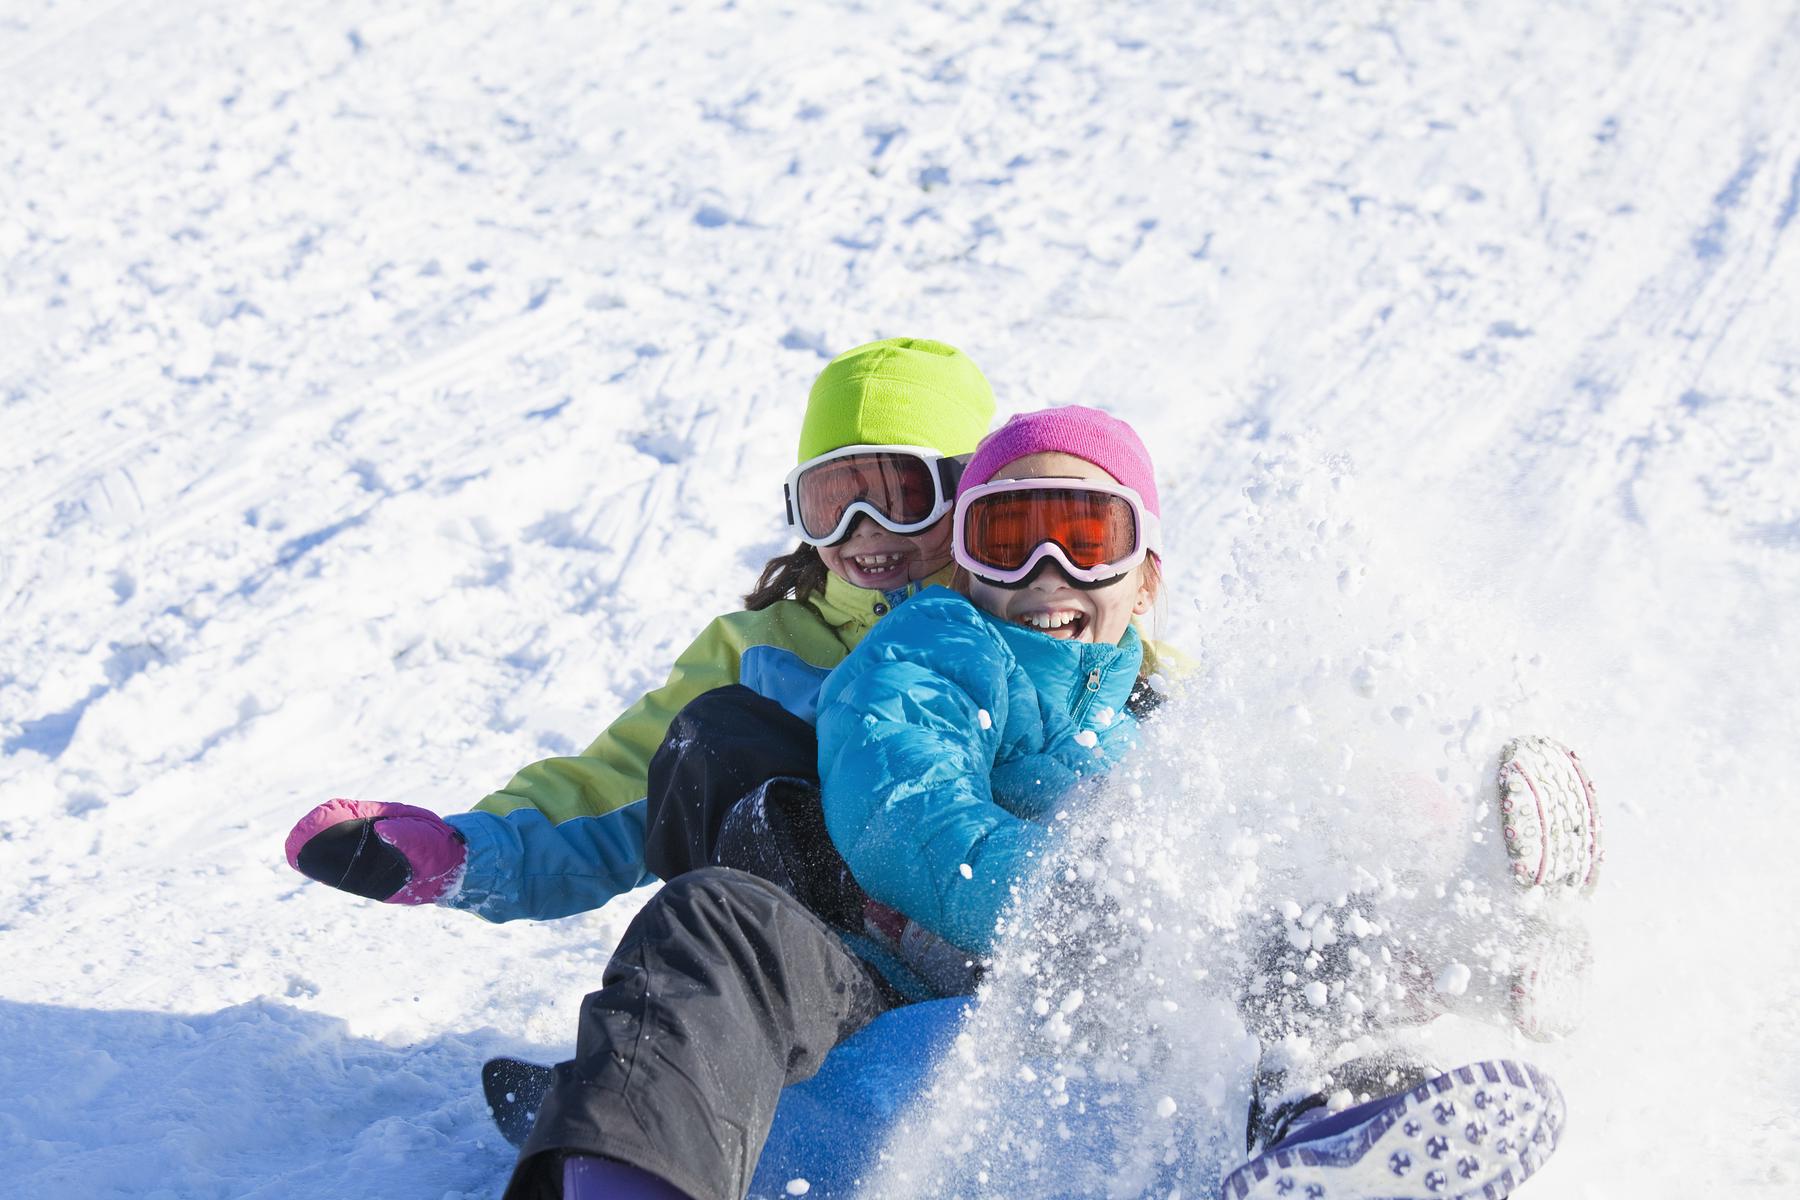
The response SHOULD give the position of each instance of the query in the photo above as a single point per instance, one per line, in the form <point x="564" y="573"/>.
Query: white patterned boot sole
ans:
<point x="1548" y="816"/>
<point x="1475" y="1133"/>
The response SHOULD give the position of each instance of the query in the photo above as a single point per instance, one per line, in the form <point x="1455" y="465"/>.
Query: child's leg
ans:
<point x="718" y="750"/>
<point x="778" y="832"/>
<point x="736" y="784"/>
<point x="1326" y="992"/>
<point x="723" y="990"/>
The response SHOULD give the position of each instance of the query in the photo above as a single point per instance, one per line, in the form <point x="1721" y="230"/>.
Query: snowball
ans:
<point x="968" y="872"/>
<point x="983" y="719"/>
<point x="798" y="1187"/>
<point x="1453" y="980"/>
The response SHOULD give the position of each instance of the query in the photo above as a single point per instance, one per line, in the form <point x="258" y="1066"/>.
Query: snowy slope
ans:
<point x="388" y="393"/>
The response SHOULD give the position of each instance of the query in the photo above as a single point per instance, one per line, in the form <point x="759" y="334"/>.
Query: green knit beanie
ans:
<point x="901" y="392"/>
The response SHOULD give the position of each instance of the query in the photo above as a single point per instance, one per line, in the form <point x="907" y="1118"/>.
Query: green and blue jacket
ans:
<point x="566" y="835"/>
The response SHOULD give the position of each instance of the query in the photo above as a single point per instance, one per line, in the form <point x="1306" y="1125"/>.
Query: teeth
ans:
<point x="875" y="561"/>
<point x="1050" y="620"/>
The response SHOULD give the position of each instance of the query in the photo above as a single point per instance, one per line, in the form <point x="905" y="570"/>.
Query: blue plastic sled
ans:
<point x="829" y="1129"/>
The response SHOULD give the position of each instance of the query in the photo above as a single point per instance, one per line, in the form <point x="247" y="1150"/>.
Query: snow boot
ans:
<point x="1476" y="1132"/>
<point x="589" y="1177"/>
<point x="1541" y="990"/>
<point x="1548" y="816"/>
<point x="1550" y="983"/>
<point x="514" y="1089"/>
<point x="1285" y="1092"/>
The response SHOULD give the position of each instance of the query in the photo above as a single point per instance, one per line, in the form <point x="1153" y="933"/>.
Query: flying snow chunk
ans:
<point x="968" y="872"/>
<point x="1165" y="1108"/>
<point x="1453" y="980"/>
<point x="798" y="1187"/>
<point x="1316" y="994"/>
<point x="983" y="719"/>
<point x="1087" y="737"/>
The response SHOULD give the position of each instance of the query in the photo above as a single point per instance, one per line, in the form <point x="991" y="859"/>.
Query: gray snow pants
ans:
<point x="723" y="990"/>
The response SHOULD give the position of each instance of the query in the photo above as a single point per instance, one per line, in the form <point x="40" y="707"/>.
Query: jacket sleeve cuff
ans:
<point x="522" y="865"/>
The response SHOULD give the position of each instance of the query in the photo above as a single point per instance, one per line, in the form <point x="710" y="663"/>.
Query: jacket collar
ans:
<point x="1087" y="675"/>
<point x="853" y="611"/>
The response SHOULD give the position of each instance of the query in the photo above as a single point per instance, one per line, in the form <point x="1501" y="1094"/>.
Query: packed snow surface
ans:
<point x="389" y="393"/>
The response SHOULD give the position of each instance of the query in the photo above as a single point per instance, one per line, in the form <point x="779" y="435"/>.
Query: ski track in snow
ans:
<point x="389" y="395"/>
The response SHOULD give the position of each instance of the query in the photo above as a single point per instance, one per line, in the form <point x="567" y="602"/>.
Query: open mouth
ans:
<point x="880" y="568"/>
<point x="1058" y="623"/>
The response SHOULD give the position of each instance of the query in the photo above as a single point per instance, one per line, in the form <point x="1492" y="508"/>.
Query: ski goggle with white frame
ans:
<point x="904" y="489"/>
<point x="1094" y="530"/>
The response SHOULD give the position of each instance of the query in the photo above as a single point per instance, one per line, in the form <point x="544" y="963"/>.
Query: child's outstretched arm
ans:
<point x="566" y="835"/>
<point x="563" y="836"/>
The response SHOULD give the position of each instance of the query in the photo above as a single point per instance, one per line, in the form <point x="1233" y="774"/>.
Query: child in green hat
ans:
<point x="886" y="427"/>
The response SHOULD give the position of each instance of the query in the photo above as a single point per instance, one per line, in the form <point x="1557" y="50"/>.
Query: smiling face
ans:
<point x="876" y="558"/>
<point x="1051" y="604"/>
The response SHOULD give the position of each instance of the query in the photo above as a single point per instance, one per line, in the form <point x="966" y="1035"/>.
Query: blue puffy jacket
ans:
<point x="945" y="741"/>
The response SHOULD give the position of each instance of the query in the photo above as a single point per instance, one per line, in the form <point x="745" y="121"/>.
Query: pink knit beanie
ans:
<point x="1087" y="433"/>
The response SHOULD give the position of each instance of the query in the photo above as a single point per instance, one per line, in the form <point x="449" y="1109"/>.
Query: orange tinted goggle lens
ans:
<point x="1093" y="528"/>
<point x="899" y="486"/>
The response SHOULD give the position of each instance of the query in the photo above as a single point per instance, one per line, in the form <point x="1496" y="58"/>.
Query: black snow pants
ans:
<point x="730" y="984"/>
<point x="723" y="991"/>
<point x="735" y="783"/>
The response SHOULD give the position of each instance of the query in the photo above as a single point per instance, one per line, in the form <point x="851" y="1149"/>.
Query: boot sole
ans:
<point x="1549" y="815"/>
<point x="1475" y="1133"/>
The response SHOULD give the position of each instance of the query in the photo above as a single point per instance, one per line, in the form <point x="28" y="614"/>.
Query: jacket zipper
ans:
<point x="1084" y="695"/>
